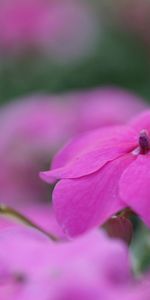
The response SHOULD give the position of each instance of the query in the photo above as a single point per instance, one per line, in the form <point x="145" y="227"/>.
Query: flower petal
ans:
<point x="135" y="187"/>
<point x="86" y="159"/>
<point x="81" y="204"/>
<point x="92" y="140"/>
<point x="141" y="122"/>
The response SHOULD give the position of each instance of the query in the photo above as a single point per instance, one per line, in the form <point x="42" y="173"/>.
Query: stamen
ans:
<point x="144" y="141"/>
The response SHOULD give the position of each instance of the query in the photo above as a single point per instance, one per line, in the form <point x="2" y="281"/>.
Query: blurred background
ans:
<point x="56" y="46"/>
<point x="66" y="66"/>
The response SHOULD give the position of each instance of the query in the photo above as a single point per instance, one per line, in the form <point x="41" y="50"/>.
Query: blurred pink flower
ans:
<point x="19" y="19"/>
<point x="104" y="106"/>
<point x="101" y="173"/>
<point x="32" y="129"/>
<point x="69" y="29"/>
<point x="37" y="268"/>
<point x="43" y="25"/>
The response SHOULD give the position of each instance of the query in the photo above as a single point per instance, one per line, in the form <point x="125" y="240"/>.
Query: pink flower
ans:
<point x="42" y="25"/>
<point x="104" y="106"/>
<point x="101" y="173"/>
<point x="19" y="19"/>
<point x="32" y="129"/>
<point x="37" y="267"/>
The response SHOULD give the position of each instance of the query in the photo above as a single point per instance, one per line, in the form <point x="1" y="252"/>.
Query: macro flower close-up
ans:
<point x="74" y="150"/>
<point x="101" y="173"/>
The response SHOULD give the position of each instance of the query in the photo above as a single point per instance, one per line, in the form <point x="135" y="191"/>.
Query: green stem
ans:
<point x="9" y="212"/>
<point x="127" y="213"/>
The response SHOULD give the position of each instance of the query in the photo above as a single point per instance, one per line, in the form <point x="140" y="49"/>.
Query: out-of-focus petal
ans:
<point x="57" y="271"/>
<point x="32" y="128"/>
<point x="104" y="107"/>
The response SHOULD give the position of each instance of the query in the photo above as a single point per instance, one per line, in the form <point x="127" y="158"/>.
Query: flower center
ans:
<point x="144" y="141"/>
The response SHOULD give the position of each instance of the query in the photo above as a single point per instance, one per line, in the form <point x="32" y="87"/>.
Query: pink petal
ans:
<point x="104" y="107"/>
<point x="81" y="204"/>
<point x="93" y="140"/>
<point x="91" y="152"/>
<point x="142" y="121"/>
<point x="135" y="187"/>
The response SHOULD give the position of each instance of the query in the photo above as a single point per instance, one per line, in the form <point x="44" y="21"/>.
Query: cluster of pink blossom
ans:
<point x="92" y="267"/>
<point x="103" y="170"/>
<point x="42" y="25"/>
<point x="33" y="129"/>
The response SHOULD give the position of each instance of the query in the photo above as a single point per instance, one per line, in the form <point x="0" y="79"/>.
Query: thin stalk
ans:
<point x="9" y="212"/>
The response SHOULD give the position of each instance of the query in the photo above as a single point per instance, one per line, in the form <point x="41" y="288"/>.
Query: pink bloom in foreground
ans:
<point x="34" y="127"/>
<point x="101" y="173"/>
<point x="89" y="268"/>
